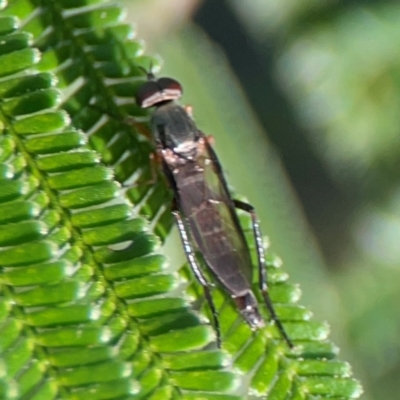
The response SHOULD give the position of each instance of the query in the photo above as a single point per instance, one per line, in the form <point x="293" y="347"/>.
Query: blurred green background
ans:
<point x="303" y="99"/>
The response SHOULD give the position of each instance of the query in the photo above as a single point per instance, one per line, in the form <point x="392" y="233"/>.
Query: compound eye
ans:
<point x="148" y="94"/>
<point x="171" y="88"/>
<point x="152" y="93"/>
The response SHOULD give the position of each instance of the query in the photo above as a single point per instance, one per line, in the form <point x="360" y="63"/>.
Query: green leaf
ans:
<point x="88" y="307"/>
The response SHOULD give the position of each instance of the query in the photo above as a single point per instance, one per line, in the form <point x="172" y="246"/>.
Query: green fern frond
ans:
<point x="88" y="308"/>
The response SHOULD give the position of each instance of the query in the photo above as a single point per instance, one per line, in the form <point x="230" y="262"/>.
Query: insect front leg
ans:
<point x="262" y="270"/>
<point x="190" y="255"/>
<point x="144" y="131"/>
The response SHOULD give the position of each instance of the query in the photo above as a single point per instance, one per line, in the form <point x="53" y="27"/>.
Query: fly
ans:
<point x="203" y="208"/>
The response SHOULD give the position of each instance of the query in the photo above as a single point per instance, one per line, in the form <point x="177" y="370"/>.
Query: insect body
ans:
<point x="203" y="208"/>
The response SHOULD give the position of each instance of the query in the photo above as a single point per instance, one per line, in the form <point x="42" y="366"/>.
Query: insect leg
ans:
<point x="154" y="168"/>
<point x="189" y="110"/>
<point x="196" y="270"/>
<point x="262" y="270"/>
<point x="141" y="128"/>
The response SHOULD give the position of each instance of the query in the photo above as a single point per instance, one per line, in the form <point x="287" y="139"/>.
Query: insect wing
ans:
<point x="215" y="227"/>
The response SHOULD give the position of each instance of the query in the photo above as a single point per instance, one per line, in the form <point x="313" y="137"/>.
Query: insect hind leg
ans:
<point x="262" y="270"/>
<point x="190" y="255"/>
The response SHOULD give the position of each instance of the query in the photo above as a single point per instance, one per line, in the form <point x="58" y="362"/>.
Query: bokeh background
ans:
<point x="303" y="99"/>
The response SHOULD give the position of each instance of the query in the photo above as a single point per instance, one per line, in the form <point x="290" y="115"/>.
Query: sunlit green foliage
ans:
<point x="89" y="308"/>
